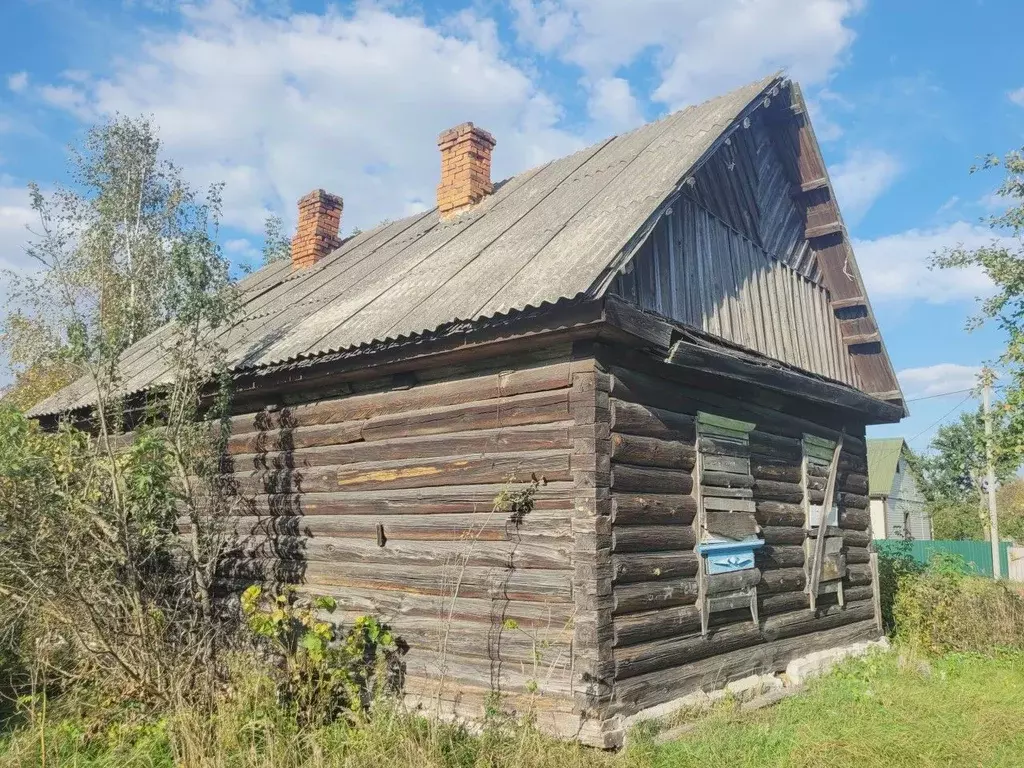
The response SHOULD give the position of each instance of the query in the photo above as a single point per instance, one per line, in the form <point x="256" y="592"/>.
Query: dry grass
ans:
<point x="884" y="711"/>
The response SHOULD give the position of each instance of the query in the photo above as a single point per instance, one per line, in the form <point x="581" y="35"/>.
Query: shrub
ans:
<point x="895" y="563"/>
<point x="945" y="609"/>
<point x="320" y="671"/>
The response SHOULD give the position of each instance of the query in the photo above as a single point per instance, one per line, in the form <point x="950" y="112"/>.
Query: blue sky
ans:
<point x="276" y="98"/>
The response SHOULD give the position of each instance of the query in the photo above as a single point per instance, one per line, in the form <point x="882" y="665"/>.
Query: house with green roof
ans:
<point x="898" y="507"/>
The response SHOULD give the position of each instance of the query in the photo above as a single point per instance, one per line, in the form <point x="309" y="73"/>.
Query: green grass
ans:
<point x="956" y="711"/>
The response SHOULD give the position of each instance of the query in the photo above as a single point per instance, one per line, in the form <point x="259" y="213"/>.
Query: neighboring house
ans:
<point x="668" y="327"/>
<point x="897" y="502"/>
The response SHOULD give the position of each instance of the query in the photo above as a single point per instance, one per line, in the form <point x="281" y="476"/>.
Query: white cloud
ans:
<point x="861" y="179"/>
<point x="68" y="97"/>
<point x="702" y="47"/>
<point x="612" y="103"/>
<point x="1017" y="96"/>
<point x="937" y="379"/>
<point x="351" y="102"/>
<point x="15" y="216"/>
<point x="895" y="267"/>
<point x="18" y="82"/>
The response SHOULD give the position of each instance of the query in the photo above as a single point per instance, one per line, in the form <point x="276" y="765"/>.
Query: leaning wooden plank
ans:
<point x="819" y="550"/>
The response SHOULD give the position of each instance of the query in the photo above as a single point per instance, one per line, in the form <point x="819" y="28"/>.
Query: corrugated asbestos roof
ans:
<point x="883" y="458"/>
<point x="549" y="233"/>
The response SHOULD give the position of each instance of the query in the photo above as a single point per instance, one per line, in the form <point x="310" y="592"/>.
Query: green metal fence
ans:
<point x="977" y="553"/>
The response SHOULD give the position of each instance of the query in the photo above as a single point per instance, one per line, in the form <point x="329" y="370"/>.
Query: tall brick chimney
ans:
<point x="465" y="168"/>
<point x="317" y="232"/>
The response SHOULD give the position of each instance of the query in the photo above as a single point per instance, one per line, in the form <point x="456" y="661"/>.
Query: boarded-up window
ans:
<point x="817" y="458"/>
<point x="726" y="528"/>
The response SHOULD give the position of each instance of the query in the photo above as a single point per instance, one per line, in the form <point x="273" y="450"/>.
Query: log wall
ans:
<point x="658" y="651"/>
<point x="383" y="499"/>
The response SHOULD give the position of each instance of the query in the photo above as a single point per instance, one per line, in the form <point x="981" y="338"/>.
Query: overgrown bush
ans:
<point x="321" y="672"/>
<point x="946" y="609"/>
<point x="895" y="563"/>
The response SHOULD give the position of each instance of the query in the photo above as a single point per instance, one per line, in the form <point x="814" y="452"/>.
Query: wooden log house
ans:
<point x="668" y="328"/>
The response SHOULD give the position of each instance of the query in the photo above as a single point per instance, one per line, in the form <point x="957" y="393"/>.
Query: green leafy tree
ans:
<point x="953" y="476"/>
<point x="89" y="512"/>
<point x="104" y="247"/>
<point x="1002" y="260"/>
<point x="276" y="245"/>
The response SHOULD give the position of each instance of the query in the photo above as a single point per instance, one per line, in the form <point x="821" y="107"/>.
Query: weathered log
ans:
<point x="410" y="473"/>
<point x="780" y="473"/>
<point x="780" y="556"/>
<point x="412" y="527"/>
<point x="733" y="581"/>
<point x="782" y="580"/>
<point x="652" y="509"/>
<point x="646" y="596"/>
<point x="287" y="439"/>
<point x="652" y="452"/>
<point x="726" y="480"/>
<point x="853" y="501"/>
<point x="628" y="478"/>
<point x="635" y="419"/>
<point x="722" y="447"/>
<point x="507" y="440"/>
<point x="856" y="538"/>
<point x="737" y="464"/>
<point x="642" y="627"/>
<point x="652" y="538"/>
<point x="778" y="534"/>
<point x="631" y="568"/>
<point x="663" y="654"/>
<point x="423" y="501"/>
<point x="471" y="581"/>
<point x="732" y="525"/>
<point x="777" y="513"/>
<point x="857" y="555"/>
<point x="854" y="519"/>
<point x="534" y="408"/>
<point x="858" y="575"/>
<point x="526" y="551"/>
<point x="663" y="685"/>
<point x="768" y="490"/>
<point x="447" y="392"/>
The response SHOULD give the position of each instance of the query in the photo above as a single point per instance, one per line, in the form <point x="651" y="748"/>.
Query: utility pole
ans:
<point x="986" y="400"/>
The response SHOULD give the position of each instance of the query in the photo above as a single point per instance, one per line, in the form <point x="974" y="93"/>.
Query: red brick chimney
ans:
<point x="317" y="232"/>
<point x="465" y="168"/>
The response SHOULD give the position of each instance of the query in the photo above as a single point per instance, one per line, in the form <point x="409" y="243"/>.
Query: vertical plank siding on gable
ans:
<point x="658" y="651"/>
<point x="698" y="270"/>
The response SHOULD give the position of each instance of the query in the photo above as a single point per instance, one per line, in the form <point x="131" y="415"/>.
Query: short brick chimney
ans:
<point x="465" y="168"/>
<point x="317" y="232"/>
